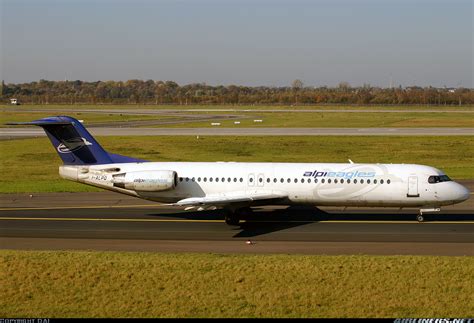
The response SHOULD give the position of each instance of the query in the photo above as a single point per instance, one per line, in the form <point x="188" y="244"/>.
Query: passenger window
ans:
<point x="309" y="180"/>
<point x="281" y="180"/>
<point x="235" y="179"/>
<point x="362" y="181"/>
<point x="388" y="181"/>
<point x="296" y="180"/>
<point x="322" y="181"/>
<point x="241" y="179"/>
<point x="381" y="181"/>
<point x="217" y="179"/>
<point x="260" y="180"/>
<point x="368" y="181"/>
<point x="199" y="179"/>
<point x="193" y="179"/>
<point x="274" y="180"/>
<point x="180" y="179"/>
<point x="302" y="180"/>
<point x="329" y="181"/>
<point x="210" y="179"/>
<point x="228" y="179"/>
<point x="375" y="181"/>
<point x="355" y="181"/>
<point x="288" y="180"/>
<point x="335" y="181"/>
<point x="251" y="179"/>
<point x="205" y="179"/>
<point x="316" y="180"/>
<point x="342" y="181"/>
<point x="187" y="179"/>
<point x="223" y="179"/>
<point x="348" y="181"/>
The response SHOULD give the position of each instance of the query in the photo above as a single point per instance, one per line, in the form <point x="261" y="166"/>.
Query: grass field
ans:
<point x="113" y="284"/>
<point x="270" y="119"/>
<point x="341" y="120"/>
<point x="31" y="165"/>
<point x="90" y="118"/>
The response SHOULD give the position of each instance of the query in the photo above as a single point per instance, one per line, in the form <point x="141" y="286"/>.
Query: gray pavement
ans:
<point x="110" y="221"/>
<point x="12" y="133"/>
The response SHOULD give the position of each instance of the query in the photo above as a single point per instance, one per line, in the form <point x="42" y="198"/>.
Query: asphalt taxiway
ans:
<point x="109" y="221"/>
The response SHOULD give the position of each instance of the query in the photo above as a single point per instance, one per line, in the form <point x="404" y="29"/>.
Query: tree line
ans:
<point x="169" y="92"/>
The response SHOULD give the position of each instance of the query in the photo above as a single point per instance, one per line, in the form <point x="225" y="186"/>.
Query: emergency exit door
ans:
<point x="251" y="180"/>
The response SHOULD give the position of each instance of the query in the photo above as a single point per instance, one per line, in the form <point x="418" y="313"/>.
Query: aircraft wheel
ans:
<point x="232" y="219"/>
<point x="420" y="218"/>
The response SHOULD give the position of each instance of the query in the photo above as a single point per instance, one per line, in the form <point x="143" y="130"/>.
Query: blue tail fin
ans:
<point x="74" y="144"/>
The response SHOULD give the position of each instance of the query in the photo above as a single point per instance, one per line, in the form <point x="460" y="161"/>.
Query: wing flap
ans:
<point x="219" y="200"/>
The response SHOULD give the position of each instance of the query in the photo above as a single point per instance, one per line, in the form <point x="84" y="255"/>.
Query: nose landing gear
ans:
<point x="420" y="217"/>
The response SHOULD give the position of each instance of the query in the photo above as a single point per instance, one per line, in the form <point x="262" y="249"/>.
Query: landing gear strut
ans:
<point x="420" y="217"/>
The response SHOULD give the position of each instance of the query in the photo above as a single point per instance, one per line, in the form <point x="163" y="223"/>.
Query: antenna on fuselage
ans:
<point x="350" y="161"/>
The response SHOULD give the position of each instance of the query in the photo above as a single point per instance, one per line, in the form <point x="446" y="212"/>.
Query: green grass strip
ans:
<point x="119" y="284"/>
<point x="31" y="165"/>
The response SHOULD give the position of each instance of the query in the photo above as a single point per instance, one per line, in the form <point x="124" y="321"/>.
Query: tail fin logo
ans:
<point x="73" y="144"/>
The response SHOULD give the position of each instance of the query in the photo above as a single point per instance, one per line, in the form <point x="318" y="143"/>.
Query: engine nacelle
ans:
<point x="148" y="181"/>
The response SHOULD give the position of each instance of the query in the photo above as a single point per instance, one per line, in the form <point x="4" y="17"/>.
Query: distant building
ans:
<point x="14" y="102"/>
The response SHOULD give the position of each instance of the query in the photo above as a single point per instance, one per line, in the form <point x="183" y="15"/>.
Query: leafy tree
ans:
<point x="169" y="92"/>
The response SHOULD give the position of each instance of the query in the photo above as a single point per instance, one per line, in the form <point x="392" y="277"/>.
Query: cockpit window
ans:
<point x="438" y="179"/>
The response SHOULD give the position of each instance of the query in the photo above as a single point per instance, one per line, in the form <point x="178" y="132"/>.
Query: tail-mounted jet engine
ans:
<point x="148" y="181"/>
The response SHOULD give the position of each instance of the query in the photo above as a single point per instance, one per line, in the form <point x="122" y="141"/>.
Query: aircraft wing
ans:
<point x="243" y="198"/>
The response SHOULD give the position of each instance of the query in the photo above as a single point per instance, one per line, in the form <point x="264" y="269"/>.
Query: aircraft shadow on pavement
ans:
<point x="267" y="221"/>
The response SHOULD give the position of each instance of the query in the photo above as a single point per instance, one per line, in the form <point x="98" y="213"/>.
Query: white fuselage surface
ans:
<point x="319" y="184"/>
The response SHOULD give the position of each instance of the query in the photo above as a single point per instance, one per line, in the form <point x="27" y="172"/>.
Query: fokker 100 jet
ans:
<point x="236" y="187"/>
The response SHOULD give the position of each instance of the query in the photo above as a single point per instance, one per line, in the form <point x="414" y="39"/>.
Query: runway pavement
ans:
<point x="109" y="221"/>
<point x="12" y="133"/>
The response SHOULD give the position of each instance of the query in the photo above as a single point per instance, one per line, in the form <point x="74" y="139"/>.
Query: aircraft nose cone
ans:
<point x="462" y="193"/>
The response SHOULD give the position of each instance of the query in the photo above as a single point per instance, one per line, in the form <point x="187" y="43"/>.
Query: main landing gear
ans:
<point x="233" y="217"/>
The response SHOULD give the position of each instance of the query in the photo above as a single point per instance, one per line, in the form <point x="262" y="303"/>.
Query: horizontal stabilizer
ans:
<point x="40" y="123"/>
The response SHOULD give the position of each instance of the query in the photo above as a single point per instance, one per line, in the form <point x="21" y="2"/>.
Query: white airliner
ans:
<point x="236" y="187"/>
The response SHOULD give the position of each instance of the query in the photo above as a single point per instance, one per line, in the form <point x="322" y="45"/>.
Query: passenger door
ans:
<point x="413" y="186"/>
